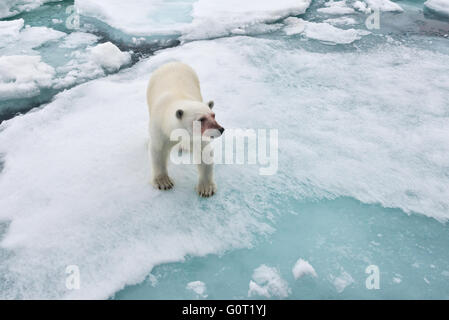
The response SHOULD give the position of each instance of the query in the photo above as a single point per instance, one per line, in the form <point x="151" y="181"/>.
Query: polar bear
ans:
<point x="175" y="102"/>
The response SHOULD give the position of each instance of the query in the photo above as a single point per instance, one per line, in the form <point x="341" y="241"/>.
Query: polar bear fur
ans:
<point x="175" y="102"/>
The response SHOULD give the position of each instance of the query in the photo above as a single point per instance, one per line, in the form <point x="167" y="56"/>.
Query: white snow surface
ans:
<point x="303" y="267"/>
<point x="384" y="5"/>
<point x="190" y="19"/>
<point x="79" y="169"/>
<point x="336" y="8"/>
<point x="267" y="282"/>
<point x="9" y="8"/>
<point x="108" y="56"/>
<point x="323" y="31"/>
<point x="198" y="287"/>
<point x="439" y="6"/>
<point x="23" y="76"/>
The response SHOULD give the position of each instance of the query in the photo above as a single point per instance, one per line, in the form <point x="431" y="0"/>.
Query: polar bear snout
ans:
<point x="210" y="127"/>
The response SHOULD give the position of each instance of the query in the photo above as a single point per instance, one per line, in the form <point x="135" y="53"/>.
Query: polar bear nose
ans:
<point x="221" y="130"/>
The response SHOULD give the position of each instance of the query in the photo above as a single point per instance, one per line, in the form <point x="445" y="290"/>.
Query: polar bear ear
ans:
<point x="210" y="104"/>
<point x="179" y="113"/>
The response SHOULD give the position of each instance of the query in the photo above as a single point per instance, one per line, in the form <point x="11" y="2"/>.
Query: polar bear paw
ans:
<point x="206" y="189"/>
<point x="163" y="182"/>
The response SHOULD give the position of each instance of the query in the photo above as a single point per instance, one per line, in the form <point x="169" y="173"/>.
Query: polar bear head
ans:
<point x="199" y="114"/>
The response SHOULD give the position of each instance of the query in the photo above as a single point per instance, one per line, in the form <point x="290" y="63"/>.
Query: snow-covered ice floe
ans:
<point x="303" y="267"/>
<point x="267" y="282"/>
<point x="23" y="76"/>
<point x="440" y="7"/>
<point x="341" y="21"/>
<point x="80" y="171"/>
<point x="198" y="287"/>
<point x="190" y="19"/>
<point x="16" y="38"/>
<point x="10" y="8"/>
<point x="323" y="31"/>
<point x="384" y="5"/>
<point x="25" y="73"/>
<point x="336" y="7"/>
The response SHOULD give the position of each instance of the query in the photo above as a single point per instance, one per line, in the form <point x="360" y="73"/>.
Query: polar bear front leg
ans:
<point x="206" y="185"/>
<point x="159" y="157"/>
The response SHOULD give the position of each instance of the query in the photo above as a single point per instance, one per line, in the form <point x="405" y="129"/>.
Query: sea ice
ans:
<point x="268" y="283"/>
<point x="79" y="165"/>
<point x="193" y="20"/>
<point x="342" y="281"/>
<point x="108" y="56"/>
<point x="341" y="21"/>
<point x="17" y="39"/>
<point x="438" y="6"/>
<point x="323" y="31"/>
<point x="336" y="7"/>
<point x="23" y="76"/>
<point x="10" y="8"/>
<point x="198" y="287"/>
<point x="301" y="268"/>
<point x="384" y="5"/>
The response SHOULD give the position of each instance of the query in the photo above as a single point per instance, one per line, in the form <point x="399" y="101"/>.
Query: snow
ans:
<point x="79" y="166"/>
<point x="268" y="283"/>
<point x="9" y="31"/>
<point x="336" y="7"/>
<point x="342" y="281"/>
<point x="397" y="280"/>
<point x="23" y="76"/>
<point x="341" y="21"/>
<point x="109" y="57"/>
<point x="438" y="6"/>
<point x="301" y="268"/>
<point x="15" y="38"/>
<point x="77" y="39"/>
<point x="193" y="20"/>
<point x="10" y="8"/>
<point x="384" y="5"/>
<point x="91" y="62"/>
<point x="322" y="31"/>
<point x="197" y="287"/>
<point x="361" y="6"/>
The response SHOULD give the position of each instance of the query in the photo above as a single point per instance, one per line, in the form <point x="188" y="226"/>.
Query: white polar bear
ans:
<point x="175" y="102"/>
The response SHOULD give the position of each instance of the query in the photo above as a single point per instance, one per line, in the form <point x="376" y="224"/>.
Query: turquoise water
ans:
<point x="335" y="236"/>
<point x="363" y="162"/>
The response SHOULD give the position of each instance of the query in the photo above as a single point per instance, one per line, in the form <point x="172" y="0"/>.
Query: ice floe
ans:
<point x="323" y="31"/>
<point x="438" y="6"/>
<point x="108" y="56"/>
<point x="361" y="6"/>
<point x="77" y="39"/>
<point x="23" y="76"/>
<point x="79" y="166"/>
<point x="342" y="281"/>
<point x="10" y="8"/>
<point x="336" y="7"/>
<point x="15" y="38"/>
<point x="341" y="21"/>
<point x="384" y="5"/>
<point x="191" y="20"/>
<point x="301" y="268"/>
<point x="267" y="282"/>
<point x="197" y="287"/>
